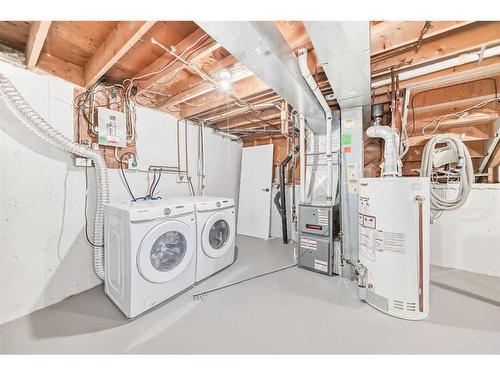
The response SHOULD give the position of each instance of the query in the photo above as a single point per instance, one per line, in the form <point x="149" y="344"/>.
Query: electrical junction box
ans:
<point x="112" y="128"/>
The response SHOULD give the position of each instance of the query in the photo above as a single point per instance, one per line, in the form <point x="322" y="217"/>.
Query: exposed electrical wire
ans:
<point x="152" y="194"/>
<point x="166" y="66"/>
<point x="124" y="176"/>
<point x="445" y="87"/>
<point x="150" y="189"/>
<point x="456" y="115"/>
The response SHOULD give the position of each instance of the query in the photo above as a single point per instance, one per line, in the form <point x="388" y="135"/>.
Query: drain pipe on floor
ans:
<point x="306" y="73"/>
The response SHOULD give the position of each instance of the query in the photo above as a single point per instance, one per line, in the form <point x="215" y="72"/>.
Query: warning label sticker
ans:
<point x="378" y="240"/>
<point x="364" y="205"/>
<point x="320" y="265"/>
<point x="369" y="221"/>
<point x="394" y="241"/>
<point x="366" y="253"/>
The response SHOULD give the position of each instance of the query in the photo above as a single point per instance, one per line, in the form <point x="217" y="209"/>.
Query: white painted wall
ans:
<point x="44" y="256"/>
<point x="468" y="238"/>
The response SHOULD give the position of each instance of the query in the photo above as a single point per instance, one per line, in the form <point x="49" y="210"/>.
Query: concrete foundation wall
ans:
<point x="44" y="256"/>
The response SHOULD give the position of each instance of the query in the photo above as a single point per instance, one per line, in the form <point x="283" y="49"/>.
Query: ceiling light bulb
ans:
<point x="225" y="75"/>
<point x="225" y="85"/>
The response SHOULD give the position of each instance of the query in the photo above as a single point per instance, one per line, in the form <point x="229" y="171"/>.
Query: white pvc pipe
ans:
<point x="302" y="155"/>
<point x="224" y="134"/>
<point x="201" y="158"/>
<point x="392" y="161"/>
<point x="306" y="73"/>
<point x="34" y="122"/>
<point x="445" y="64"/>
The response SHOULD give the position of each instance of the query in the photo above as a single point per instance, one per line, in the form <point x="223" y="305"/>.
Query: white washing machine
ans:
<point x="149" y="253"/>
<point x="216" y="234"/>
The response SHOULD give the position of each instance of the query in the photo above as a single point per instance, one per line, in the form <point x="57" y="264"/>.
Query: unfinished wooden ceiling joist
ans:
<point x="425" y="54"/>
<point x="84" y="51"/>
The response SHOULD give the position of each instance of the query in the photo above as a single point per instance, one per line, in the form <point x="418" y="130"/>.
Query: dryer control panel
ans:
<point x="215" y="205"/>
<point x="151" y="212"/>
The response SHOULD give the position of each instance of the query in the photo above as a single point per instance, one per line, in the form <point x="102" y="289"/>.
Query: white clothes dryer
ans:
<point x="216" y="234"/>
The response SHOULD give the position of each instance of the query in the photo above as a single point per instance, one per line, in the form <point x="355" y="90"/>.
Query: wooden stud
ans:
<point x="123" y="37"/>
<point x="471" y="133"/>
<point x="246" y="87"/>
<point x="36" y="39"/>
<point x="241" y="121"/>
<point x="60" y="68"/>
<point x="465" y="39"/>
<point x="201" y="89"/>
<point x="166" y="58"/>
<point x="390" y="35"/>
<point x="477" y="149"/>
<point x="466" y="72"/>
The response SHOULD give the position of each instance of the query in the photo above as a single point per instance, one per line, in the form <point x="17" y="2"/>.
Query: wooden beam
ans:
<point x="244" y="120"/>
<point x="467" y="38"/>
<point x="246" y="87"/>
<point x="63" y="69"/>
<point x="157" y="65"/>
<point x="231" y="110"/>
<point x="36" y="39"/>
<point x="390" y="35"/>
<point x="470" y="133"/>
<point x="477" y="149"/>
<point x="201" y="89"/>
<point x="470" y="71"/>
<point x="495" y="156"/>
<point x="410" y="168"/>
<point x="295" y="34"/>
<point x="448" y="106"/>
<point x="117" y="44"/>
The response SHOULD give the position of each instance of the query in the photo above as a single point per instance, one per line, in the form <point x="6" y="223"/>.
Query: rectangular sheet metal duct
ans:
<point x="343" y="49"/>
<point x="260" y="46"/>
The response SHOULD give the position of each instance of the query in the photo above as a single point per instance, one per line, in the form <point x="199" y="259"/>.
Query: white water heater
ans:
<point x="394" y="221"/>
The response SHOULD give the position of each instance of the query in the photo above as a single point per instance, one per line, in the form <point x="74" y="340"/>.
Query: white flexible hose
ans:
<point x="439" y="201"/>
<point x="34" y="122"/>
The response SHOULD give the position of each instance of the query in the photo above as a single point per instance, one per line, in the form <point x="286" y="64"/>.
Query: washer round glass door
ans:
<point x="165" y="251"/>
<point x="218" y="234"/>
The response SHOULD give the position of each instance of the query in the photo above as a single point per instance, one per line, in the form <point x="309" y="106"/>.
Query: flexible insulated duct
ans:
<point x="34" y="122"/>
<point x="464" y="168"/>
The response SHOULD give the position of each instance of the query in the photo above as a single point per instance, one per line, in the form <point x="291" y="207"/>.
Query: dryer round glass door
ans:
<point x="165" y="251"/>
<point x="218" y="234"/>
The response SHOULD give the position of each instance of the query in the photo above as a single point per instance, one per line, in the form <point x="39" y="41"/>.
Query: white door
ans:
<point x="254" y="208"/>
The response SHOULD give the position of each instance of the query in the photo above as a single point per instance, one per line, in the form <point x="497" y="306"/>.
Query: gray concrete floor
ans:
<point x="293" y="311"/>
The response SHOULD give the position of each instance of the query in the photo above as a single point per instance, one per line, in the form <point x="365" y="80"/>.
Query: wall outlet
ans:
<point x="132" y="163"/>
<point x="82" y="162"/>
